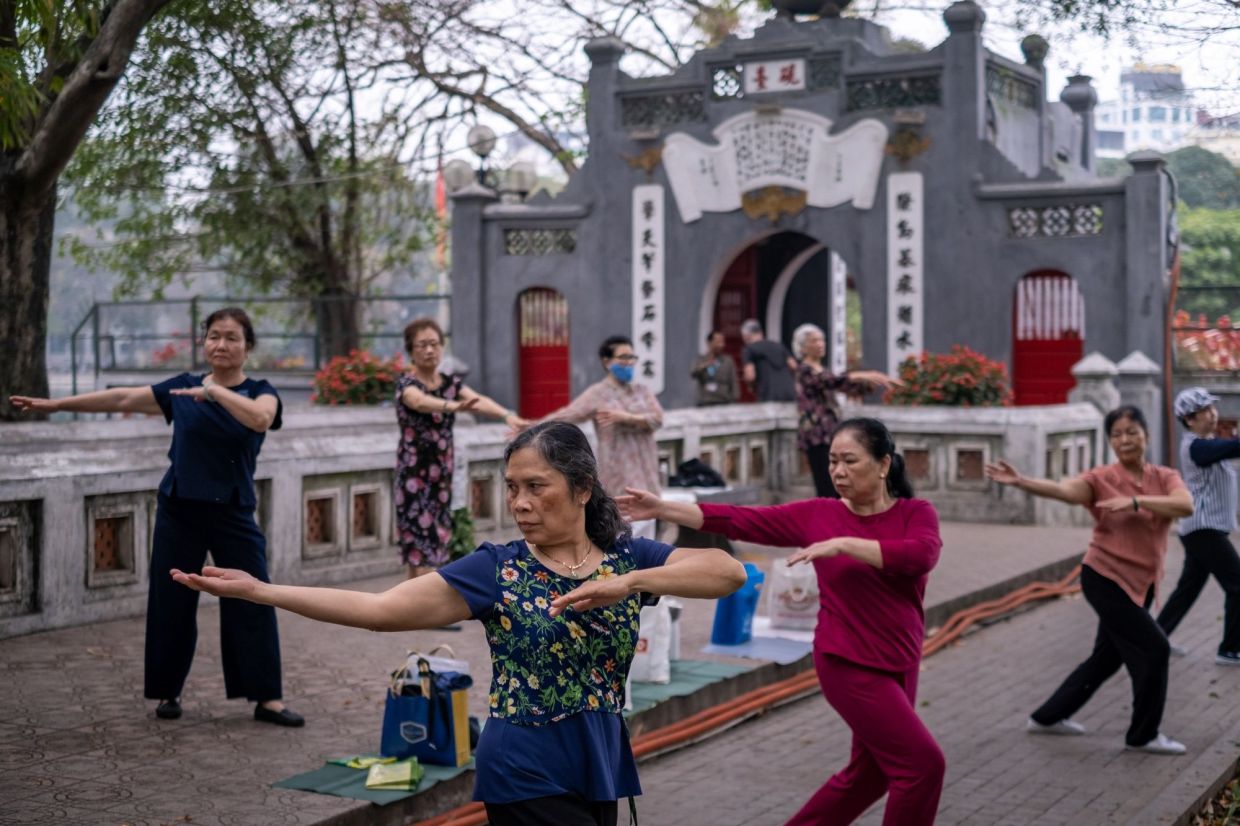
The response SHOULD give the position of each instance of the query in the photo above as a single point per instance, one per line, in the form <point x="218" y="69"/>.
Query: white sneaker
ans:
<point x="1178" y="650"/>
<point x="1161" y="744"/>
<point x="1228" y="658"/>
<point x="1069" y="728"/>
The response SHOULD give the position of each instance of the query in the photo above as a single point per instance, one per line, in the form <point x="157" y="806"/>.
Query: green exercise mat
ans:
<point x="342" y="781"/>
<point x="687" y="677"/>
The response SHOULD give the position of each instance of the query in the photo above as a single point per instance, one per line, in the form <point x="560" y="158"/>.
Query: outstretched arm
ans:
<point x="113" y="400"/>
<point x="489" y="407"/>
<point x="1073" y="491"/>
<point x="698" y="573"/>
<point x="413" y="605"/>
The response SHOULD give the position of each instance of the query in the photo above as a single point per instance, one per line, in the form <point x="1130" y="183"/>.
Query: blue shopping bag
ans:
<point x="427" y="717"/>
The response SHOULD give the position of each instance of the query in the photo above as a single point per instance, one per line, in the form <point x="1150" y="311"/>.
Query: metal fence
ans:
<point x="166" y="335"/>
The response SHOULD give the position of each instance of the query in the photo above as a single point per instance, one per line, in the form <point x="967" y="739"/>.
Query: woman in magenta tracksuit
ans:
<point x="873" y="550"/>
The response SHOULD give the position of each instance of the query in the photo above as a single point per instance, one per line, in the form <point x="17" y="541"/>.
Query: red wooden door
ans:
<point x="736" y="301"/>
<point x="1048" y="326"/>
<point x="542" y="354"/>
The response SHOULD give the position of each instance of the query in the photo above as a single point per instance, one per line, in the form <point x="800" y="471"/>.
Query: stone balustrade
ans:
<point x="77" y="500"/>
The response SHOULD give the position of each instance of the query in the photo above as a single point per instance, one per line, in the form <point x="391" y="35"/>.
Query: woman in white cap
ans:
<point x="1212" y="481"/>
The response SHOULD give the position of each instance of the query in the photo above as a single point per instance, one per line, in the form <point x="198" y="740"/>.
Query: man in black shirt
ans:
<point x="768" y="365"/>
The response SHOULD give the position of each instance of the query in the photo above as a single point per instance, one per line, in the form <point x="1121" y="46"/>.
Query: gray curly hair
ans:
<point x="801" y="335"/>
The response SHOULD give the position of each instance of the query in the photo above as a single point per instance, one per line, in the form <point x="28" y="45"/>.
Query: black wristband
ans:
<point x="1135" y="506"/>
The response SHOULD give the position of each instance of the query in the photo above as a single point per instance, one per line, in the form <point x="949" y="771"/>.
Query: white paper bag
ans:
<point x="793" y="596"/>
<point x="651" y="663"/>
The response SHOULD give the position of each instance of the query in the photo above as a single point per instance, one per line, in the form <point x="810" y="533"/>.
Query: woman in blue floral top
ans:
<point x="818" y="413"/>
<point x="561" y="610"/>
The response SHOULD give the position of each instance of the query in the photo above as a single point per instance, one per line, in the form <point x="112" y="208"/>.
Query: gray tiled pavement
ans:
<point x="79" y="745"/>
<point x="975" y="697"/>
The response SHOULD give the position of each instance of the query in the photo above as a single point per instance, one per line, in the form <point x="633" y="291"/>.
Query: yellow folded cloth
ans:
<point x="403" y="776"/>
<point x="361" y="761"/>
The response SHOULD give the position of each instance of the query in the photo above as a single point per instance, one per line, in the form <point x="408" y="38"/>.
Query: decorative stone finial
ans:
<point x="605" y="49"/>
<point x="964" y="17"/>
<point x="1137" y="363"/>
<point x="1035" y="47"/>
<point x="1095" y="364"/>
<point x="1079" y="94"/>
<point x="1146" y="161"/>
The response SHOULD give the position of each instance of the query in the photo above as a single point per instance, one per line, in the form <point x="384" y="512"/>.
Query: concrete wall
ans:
<point x="57" y="480"/>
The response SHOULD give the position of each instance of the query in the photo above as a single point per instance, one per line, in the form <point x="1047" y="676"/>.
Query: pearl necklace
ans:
<point x="572" y="569"/>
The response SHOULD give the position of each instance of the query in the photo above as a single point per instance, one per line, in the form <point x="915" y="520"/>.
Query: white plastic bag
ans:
<point x="793" y="596"/>
<point x="675" y="608"/>
<point x="651" y="663"/>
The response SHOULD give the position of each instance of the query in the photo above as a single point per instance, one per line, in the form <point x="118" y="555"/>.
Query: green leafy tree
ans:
<point x="1205" y="178"/>
<point x="59" y="62"/>
<point x="1210" y="259"/>
<point x="252" y="138"/>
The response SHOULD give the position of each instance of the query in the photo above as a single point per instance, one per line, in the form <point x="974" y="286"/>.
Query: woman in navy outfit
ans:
<point x="561" y="610"/>
<point x="206" y="503"/>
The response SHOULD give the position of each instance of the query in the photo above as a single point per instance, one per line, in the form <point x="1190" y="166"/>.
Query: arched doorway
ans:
<point x="784" y="280"/>
<point x="1048" y="332"/>
<point x="542" y="352"/>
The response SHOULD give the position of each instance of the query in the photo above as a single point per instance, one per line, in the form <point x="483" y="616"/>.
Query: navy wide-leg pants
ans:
<point x="185" y="530"/>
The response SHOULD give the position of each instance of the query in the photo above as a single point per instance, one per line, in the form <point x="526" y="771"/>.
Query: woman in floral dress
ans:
<point x="427" y="402"/>
<point x="816" y="389"/>
<point x="561" y="609"/>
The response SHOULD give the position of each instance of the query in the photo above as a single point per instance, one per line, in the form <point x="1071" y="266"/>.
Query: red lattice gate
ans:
<point x="542" y="352"/>
<point x="1048" y="327"/>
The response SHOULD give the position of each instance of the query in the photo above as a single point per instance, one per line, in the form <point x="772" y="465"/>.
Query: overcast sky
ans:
<point x="1210" y="64"/>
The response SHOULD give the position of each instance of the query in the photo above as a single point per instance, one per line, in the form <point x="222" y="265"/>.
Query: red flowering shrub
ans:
<point x="1200" y="345"/>
<point x="358" y="378"/>
<point x="961" y="378"/>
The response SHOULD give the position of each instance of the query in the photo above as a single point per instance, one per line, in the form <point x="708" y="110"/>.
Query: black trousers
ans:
<point x="1128" y="636"/>
<point x="249" y="640"/>
<point x="820" y="469"/>
<point x="561" y="810"/>
<point x="1207" y="552"/>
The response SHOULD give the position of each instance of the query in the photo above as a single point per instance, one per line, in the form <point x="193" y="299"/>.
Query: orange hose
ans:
<point x="761" y="699"/>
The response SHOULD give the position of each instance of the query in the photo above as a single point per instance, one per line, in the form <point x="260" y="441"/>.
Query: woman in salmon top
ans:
<point x="1132" y="502"/>
<point x="873" y="549"/>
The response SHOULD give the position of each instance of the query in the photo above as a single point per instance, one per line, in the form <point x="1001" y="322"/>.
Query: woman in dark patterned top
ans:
<point x="816" y="389"/>
<point x="561" y="610"/>
<point x="427" y="402"/>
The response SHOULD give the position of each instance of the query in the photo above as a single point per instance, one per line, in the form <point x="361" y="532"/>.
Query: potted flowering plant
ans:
<point x="358" y="378"/>
<point x="961" y="378"/>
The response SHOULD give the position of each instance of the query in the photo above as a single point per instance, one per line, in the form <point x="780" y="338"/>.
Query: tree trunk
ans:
<point x="336" y="312"/>
<point x="25" y="265"/>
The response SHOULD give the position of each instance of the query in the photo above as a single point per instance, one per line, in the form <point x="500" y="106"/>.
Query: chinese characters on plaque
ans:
<point x="648" y="303"/>
<point x="793" y="149"/>
<point x="774" y="76"/>
<point x="905" y="265"/>
<point x="839" y="315"/>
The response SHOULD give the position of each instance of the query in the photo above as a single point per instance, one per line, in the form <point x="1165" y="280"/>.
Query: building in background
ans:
<point x="1154" y="111"/>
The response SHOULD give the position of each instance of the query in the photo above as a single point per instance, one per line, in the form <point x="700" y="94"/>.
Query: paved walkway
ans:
<point x="78" y="744"/>
<point x="975" y="697"/>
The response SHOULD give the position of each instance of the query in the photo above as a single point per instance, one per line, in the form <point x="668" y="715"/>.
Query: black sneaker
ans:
<point x="169" y="710"/>
<point x="1228" y="658"/>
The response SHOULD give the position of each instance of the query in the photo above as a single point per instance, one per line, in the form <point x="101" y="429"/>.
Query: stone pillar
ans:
<point x="1140" y="384"/>
<point x="1146" y="197"/>
<point x="1035" y="48"/>
<point x="1095" y="383"/>
<point x="964" y="76"/>
<point x="469" y="281"/>
<point x="1081" y="98"/>
<point x="604" y="54"/>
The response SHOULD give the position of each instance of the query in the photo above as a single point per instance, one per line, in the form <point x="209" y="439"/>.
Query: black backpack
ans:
<point x="694" y="473"/>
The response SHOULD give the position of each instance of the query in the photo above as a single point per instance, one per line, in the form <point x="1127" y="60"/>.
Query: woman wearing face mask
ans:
<point x="206" y="502"/>
<point x="625" y="414"/>
<point x="1133" y="502"/>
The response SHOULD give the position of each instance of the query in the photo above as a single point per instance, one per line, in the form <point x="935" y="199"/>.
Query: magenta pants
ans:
<point x="892" y="750"/>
